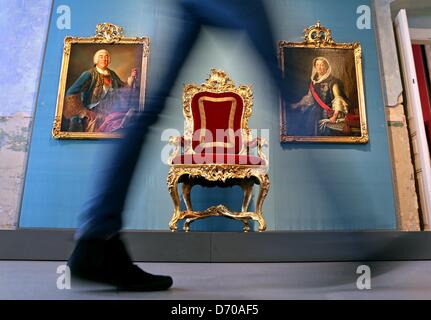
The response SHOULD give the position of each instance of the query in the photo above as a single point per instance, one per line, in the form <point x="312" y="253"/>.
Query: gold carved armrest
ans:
<point x="258" y="143"/>
<point x="180" y="144"/>
<point x="176" y="141"/>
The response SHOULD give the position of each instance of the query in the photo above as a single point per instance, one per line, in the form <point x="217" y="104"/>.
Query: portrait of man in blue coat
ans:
<point x="98" y="100"/>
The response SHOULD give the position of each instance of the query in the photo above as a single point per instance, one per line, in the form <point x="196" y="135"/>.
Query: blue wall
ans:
<point x="313" y="186"/>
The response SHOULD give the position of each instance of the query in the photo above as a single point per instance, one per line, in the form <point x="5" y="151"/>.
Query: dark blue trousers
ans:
<point x="102" y="215"/>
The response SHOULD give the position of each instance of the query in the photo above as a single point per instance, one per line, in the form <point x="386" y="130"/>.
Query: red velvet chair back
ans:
<point x="217" y="121"/>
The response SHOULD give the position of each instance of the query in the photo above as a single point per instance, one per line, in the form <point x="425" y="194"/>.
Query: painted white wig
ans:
<point x="96" y="55"/>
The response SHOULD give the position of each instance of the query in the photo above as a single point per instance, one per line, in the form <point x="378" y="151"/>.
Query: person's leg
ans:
<point x="100" y="255"/>
<point x="256" y="24"/>
<point x="250" y="16"/>
<point x="102" y="215"/>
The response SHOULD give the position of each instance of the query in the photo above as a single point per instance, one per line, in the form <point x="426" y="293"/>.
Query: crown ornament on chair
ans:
<point x="219" y="80"/>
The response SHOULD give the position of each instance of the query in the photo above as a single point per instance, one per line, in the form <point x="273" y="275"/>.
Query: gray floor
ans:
<point x="233" y="281"/>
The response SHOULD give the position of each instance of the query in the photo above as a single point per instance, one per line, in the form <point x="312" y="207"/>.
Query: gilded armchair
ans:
<point x="216" y="150"/>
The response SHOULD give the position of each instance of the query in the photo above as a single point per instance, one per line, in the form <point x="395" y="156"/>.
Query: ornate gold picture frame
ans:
<point x="102" y="84"/>
<point x="325" y="91"/>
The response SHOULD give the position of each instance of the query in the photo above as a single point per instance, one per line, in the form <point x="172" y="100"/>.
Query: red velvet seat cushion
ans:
<point x="213" y="158"/>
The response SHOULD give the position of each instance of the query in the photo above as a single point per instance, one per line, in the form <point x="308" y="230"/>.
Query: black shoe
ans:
<point x="107" y="261"/>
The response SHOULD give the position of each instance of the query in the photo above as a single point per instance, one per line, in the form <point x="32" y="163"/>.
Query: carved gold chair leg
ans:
<point x="186" y="227"/>
<point x="246" y="225"/>
<point x="247" y="187"/>
<point x="263" y="191"/>
<point x="173" y="190"/>
<point x="186" y="188"/>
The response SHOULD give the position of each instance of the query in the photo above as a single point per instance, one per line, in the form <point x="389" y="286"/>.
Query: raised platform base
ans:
<point x="166" y="246"/>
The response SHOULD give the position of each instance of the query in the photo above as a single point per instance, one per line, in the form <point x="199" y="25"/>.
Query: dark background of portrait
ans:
<point x="124" y="57"/>
<point x="298" y="65"/>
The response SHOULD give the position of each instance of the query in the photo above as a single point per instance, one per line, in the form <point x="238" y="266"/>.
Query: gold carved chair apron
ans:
<point x="215" y="150"/>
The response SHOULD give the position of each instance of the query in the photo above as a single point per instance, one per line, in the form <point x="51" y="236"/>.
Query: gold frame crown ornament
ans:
<point x="109" y="32"/>
<point x="318" y="34"/>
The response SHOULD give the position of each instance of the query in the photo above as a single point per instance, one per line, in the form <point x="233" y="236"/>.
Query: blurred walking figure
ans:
<point x="100" y="255"/>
